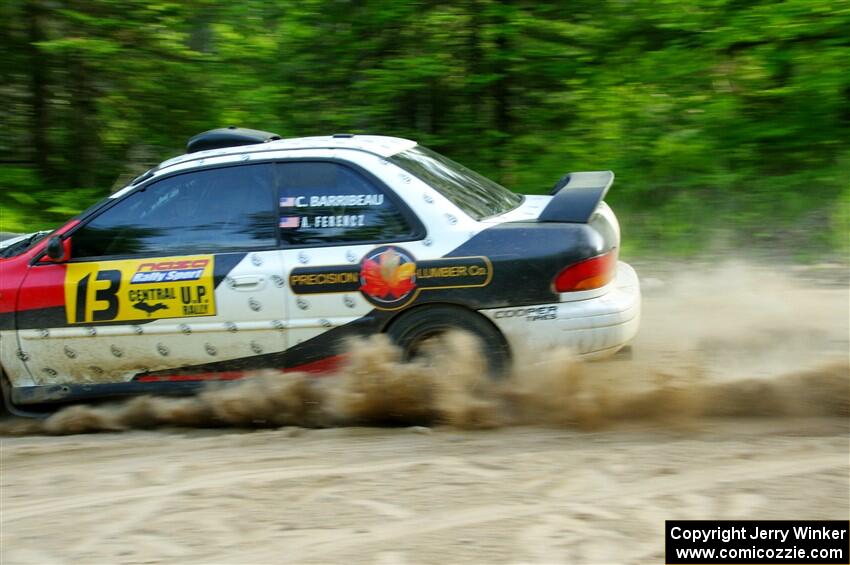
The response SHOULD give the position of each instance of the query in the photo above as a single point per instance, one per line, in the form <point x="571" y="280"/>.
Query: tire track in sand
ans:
<point x="323" y="543"/>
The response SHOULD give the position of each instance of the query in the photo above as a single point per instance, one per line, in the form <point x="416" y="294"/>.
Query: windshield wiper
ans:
<point x="21" y="246"/>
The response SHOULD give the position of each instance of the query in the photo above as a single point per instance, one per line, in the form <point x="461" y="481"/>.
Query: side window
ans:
<point x="324" y="202"/>
<point x="227" y="209"/>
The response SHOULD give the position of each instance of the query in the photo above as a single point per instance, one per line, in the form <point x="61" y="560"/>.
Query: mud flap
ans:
<point x="624" y="354"/>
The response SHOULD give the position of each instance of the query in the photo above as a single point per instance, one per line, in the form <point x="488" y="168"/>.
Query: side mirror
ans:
<point x="55" y="248"/>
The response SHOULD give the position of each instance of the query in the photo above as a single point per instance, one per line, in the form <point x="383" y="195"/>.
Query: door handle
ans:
<point x="246" y="282"/>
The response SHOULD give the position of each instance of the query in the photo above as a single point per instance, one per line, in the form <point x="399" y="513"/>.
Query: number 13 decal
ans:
<point x="140" y="290"/>
<point x="86" y="312"/>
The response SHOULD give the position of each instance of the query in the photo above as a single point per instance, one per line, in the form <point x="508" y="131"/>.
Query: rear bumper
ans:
<point x="592" y="328"/>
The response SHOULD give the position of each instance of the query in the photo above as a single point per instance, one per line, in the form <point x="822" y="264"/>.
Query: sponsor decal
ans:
<point x="390" y="278"/>
<point x="387" y="275"/>
<point x="167" y="271"/>
<point x="139" y="289"/>
<point x="531" y="314"/>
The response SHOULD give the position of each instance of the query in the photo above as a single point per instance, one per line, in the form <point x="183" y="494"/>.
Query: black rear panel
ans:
<point x="526" y="256"/>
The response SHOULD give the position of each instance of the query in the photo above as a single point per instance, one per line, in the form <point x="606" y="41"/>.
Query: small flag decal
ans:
<point x="287" y="202"/>
<point x="290" y="221"/>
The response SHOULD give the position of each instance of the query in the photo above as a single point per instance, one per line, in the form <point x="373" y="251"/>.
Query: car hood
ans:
<point x="12" y="238"/>
<point x="19" y="243"/>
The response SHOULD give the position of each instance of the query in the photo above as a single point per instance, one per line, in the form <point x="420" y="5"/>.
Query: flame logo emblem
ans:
<point x="388" y="275"/>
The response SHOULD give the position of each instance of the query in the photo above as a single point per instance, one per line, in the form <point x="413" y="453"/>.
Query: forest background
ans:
<point x="727" y="122"/>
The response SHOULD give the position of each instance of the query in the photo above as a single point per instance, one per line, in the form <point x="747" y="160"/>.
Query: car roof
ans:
<point x="380" y="145"/>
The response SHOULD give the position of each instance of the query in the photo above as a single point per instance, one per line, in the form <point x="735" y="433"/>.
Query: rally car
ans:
<point x="252" y="251"/>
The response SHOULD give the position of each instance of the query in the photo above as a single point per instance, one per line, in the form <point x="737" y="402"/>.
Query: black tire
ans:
<point x="4" y="394"/>
<point x="8" y="410"/>
<point x="411" y="329"/>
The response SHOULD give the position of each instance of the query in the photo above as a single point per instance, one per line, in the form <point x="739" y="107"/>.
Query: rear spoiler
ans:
<point x="576" y="197"/>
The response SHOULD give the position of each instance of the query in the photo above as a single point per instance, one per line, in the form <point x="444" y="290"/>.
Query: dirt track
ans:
<point x="398" y="496"/>
<point x="517" y="494"/>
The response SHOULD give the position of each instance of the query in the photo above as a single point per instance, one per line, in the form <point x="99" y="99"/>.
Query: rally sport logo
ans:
<point x="390" y="278"/>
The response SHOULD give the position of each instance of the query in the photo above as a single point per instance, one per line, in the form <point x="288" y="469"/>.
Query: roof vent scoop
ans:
<point x="228" y="137"/>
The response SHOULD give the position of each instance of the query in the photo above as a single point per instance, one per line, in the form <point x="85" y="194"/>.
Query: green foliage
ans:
<point x="26" y="206"/>
<point x="722" y="119"/>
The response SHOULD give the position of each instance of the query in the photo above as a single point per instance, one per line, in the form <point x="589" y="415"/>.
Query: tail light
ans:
<point x="588" y="274"/>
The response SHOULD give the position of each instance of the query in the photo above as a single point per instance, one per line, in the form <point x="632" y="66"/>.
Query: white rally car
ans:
<point x="253" y="251"/>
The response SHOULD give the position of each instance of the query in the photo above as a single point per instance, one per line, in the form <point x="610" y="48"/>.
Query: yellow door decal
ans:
<point x="140" y="289"/>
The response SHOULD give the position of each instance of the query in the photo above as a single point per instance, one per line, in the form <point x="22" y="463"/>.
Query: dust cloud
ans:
<point x="734" y="341"/>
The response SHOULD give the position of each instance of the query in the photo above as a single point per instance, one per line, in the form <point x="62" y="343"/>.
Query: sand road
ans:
<point x="516" y="494"/>
<point x="519" y="495"/>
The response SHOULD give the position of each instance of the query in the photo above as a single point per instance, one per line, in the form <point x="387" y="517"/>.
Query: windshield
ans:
<point x="476" y="195"/>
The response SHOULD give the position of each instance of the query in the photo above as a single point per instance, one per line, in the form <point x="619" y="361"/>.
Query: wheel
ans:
<point x="7" y="409"/>
<point x="412" y="330"/>
<point x="4" y="410"/>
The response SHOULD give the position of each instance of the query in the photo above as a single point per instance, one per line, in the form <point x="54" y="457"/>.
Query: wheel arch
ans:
<point x="505" y="344"/>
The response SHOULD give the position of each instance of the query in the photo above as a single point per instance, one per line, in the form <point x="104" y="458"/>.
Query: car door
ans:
<point x="332" y="214"/>
<point x="179" y="279"/>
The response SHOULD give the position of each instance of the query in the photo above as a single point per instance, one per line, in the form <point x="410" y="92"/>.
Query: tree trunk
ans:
<point x="502" y="97"/>
<point x="83" y="125"/>
<point x="39" y="88"/>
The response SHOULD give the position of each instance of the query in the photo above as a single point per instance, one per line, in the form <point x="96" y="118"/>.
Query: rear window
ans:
<point x="475" y="194"/>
